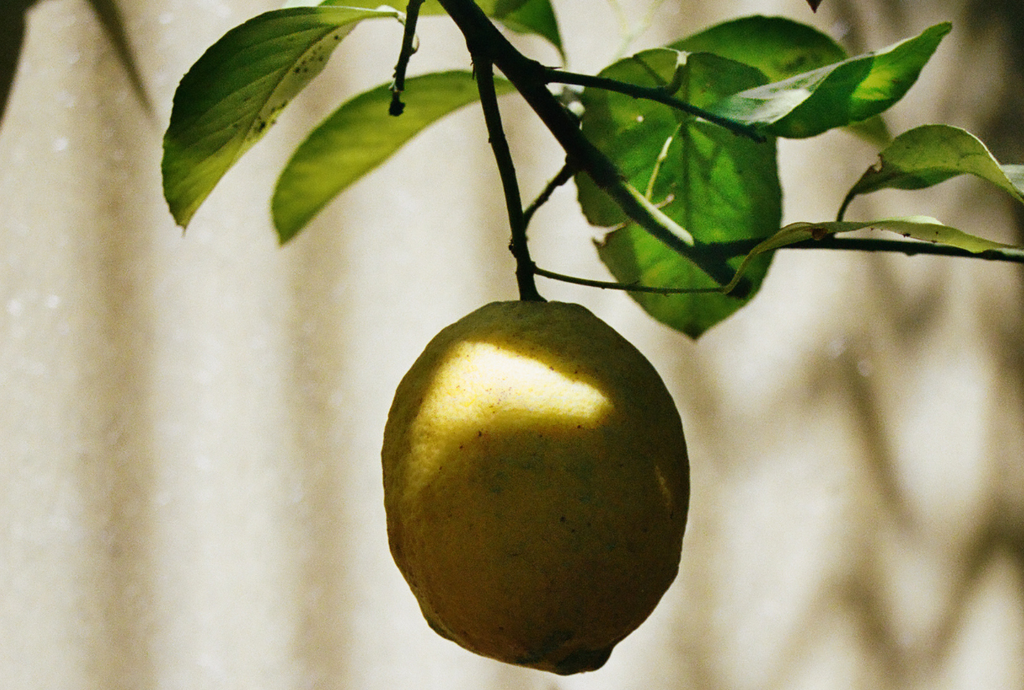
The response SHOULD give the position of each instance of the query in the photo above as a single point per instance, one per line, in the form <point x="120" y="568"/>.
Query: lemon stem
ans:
<point x="506" y="168"/>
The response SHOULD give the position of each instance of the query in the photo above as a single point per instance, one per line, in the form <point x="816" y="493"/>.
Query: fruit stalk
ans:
<point x="506" y="168"/>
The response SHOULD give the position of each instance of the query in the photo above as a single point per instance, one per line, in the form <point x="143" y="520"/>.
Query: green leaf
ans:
<point x="920" y="228"/>
<point x="836" y="95"/>
<point x="779" y="47"/>
<point x="716" y="185"/>
<point x="358" y="137"/>
<point x="232" y="95"/>
<point x="931" y="154"/>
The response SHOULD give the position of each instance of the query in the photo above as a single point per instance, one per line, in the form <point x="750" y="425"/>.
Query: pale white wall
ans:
<point x="189" y="426"/>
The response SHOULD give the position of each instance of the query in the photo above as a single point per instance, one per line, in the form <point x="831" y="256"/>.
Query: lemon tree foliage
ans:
<point x="930" y="154"/>
<point x="536" y="479"/>
<point x="813" y="102"/>
<point x="718" y="186"/>
<point x="698" y="188"/>
<point x="234" y="93"/>
<point x="779" y="47"/>
<point x="922" y="228"/>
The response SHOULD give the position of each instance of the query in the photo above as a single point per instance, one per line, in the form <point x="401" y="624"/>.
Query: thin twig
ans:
<point x="506" y="168"/>
<point x="627" y="287"/>
<point x="909" y="248"/>
<point x="412" y="14"/>
<point x="741" y="247"/>
<point x="737" y="248"/>
<point x="657" y="94"/>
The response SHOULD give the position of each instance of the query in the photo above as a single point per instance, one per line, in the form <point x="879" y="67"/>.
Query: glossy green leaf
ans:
<point x="232" y="95"/>
<point x="358" y="137"/>
<point x="779" y="47"/>
<point x="718" y="186"/>
<point x="931" y="154"/>
<point x="836" y="95"/>
<point x="921" y="228"/>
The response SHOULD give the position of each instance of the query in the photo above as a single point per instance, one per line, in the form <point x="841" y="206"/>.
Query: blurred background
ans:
<point x="190" y="425"/>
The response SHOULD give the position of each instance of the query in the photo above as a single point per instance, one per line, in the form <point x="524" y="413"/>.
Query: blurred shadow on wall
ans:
<point x="1004" y="134"/>
<point x="12" y="35"/>
<point x="117" y="357"/>
<point x="1003" y="20"/>
<point x="858" y="597"/>
<point x="121" y="474"/>
<point x="999" y="539"/>
<point x="325" y="634"/>
<point x="1004" y="131"/>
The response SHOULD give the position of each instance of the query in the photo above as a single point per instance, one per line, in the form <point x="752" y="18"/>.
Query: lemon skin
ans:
<point x="536" y="485"/>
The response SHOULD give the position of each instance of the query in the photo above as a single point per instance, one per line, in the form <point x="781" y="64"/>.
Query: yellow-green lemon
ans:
<point x="536" y="485"/>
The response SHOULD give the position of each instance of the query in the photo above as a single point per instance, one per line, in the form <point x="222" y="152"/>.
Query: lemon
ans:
<point x="536" y="485"/>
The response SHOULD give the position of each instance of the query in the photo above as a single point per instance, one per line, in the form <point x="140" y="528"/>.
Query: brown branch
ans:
<point x="656" y="94"/>
<point x="529" y="77"/>
<point x="412" y="14"/>
<point x="507" y="171"/>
